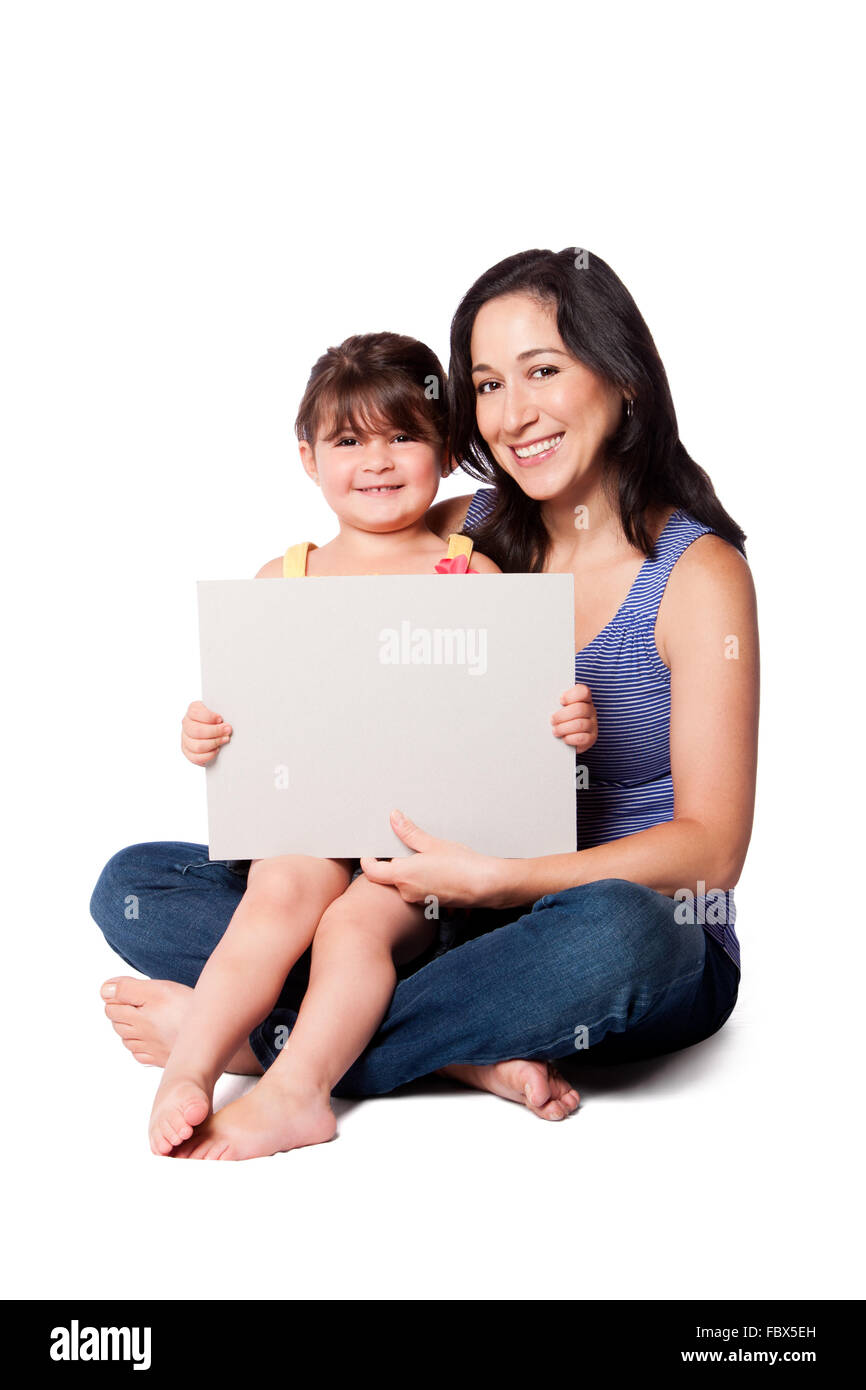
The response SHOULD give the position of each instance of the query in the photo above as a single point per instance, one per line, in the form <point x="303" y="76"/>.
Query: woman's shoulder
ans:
<point x="702" y="550"/>
<point x="710" y="564"/>
<point x="449" y="515"/>
<point x="710" y="586"/>
<point x="480" y="504"/>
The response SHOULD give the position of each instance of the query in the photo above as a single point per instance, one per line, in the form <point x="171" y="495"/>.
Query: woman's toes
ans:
<point x="123" y="989"/>
<point x="537" y="1093"/>
<point x="123" y="1017"/>
<point x="547" y="1092"/>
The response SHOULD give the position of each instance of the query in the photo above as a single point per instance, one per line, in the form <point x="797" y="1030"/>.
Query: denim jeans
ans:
<point x="602" y="972"/>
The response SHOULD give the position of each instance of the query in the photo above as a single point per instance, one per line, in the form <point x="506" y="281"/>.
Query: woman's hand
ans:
<point x="440" y="869"/>
<point x="576" y="721"/>
<point x="202" y="734"/>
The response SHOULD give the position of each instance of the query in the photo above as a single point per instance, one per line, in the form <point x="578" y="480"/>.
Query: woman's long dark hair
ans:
<point x="645" y="463"/>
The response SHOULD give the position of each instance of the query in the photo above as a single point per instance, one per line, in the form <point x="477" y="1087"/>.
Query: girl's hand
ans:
<point x="576" y="721"/>
<point x="203" y="734"/>
<point x="440" y="869"/>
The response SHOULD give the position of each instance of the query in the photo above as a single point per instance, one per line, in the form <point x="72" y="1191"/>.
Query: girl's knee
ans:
<point x="292" y="880"/>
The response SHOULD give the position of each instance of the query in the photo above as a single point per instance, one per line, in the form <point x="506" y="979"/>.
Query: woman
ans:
<point x="559" y="399"/>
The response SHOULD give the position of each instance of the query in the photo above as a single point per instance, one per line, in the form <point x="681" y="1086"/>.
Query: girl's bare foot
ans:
<point x="537" y="1085"/>
<point x="147" y="1014"/>
<point x="181" y="1103"/>
<point x="267" y="1120"/>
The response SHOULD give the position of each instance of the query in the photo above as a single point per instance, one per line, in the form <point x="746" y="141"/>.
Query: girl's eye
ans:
<point x="347" y="440"/>
<point x="485" y="387"/>
<point x="548" y="371"/>
<point x="403" y="438"/>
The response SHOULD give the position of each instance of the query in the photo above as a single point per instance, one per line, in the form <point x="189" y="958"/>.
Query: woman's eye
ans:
<point x="548" y="371"/>
<point x="485" y="387"/>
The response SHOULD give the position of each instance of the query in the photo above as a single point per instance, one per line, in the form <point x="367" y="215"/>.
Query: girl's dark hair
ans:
<point x="646" y="465"/>
<point x="375" y="381"/>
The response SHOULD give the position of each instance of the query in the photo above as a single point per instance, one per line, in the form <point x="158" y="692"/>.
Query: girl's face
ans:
<point x="544" y="415"/>
<point x="380" y="482"/>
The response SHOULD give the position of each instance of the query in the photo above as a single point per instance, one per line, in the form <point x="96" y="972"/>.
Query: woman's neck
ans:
<point x="584" y="525"/>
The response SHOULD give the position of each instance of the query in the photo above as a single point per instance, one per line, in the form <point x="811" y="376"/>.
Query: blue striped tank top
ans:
<point x="628" y="785"/>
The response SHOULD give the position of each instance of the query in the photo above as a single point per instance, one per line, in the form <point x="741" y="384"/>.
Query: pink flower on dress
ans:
<point x="459" y="564"/>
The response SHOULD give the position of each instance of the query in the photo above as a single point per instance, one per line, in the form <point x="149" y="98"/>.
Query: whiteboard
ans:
<point x="350" y="697"/>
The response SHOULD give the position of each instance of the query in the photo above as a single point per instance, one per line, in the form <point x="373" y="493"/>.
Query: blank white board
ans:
<point x="350" y="697"/>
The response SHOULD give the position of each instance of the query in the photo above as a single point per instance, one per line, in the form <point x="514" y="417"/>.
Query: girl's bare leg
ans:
<point x="352" y="979"/>
<point x="271" y="928"/>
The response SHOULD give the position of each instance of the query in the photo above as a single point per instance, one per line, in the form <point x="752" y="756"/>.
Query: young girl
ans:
<point x="372" y="433"/>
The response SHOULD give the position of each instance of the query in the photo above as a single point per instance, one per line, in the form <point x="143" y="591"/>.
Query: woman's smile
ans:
<point x="537" y="450"/>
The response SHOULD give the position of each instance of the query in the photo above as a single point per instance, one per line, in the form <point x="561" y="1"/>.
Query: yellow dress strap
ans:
<point x="459" y="545"/>
<point x="295" y="560"/>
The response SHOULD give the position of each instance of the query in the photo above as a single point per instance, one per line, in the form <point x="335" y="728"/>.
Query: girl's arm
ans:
<point x="202" y="732"/>
<point x="707" y="634"/>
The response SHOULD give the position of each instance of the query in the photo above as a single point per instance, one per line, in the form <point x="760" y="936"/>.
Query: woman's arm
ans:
<point x="707" y="634"/>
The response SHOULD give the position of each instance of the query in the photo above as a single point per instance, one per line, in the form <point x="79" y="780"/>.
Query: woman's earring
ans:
<point x="629" y="407"/>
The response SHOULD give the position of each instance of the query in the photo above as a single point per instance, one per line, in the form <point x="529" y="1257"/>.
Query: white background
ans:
<point x="200" y="198"/>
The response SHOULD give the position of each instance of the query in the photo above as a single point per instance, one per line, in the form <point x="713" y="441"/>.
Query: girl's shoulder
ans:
<point x="482" y="565"/>
<point x="291" y="565"/>
<point x="272" y="570"/>
<point x="462" y="557"/>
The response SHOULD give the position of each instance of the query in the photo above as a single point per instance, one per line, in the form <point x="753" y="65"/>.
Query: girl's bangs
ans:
<point x="365" y="408"/>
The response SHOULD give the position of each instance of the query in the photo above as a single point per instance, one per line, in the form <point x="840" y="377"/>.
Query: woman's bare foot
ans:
<point x="181" y="1103"/>
<point x="147" y="1014"/>
<point x="537" y="1085"/>
<point x="267" y="1120"/>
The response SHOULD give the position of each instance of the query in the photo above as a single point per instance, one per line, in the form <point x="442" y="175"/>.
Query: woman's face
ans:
<point x="544" y="415"/>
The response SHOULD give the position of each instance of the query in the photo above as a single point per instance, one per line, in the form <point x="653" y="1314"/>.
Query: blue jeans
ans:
<point x="603" y="971"/>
